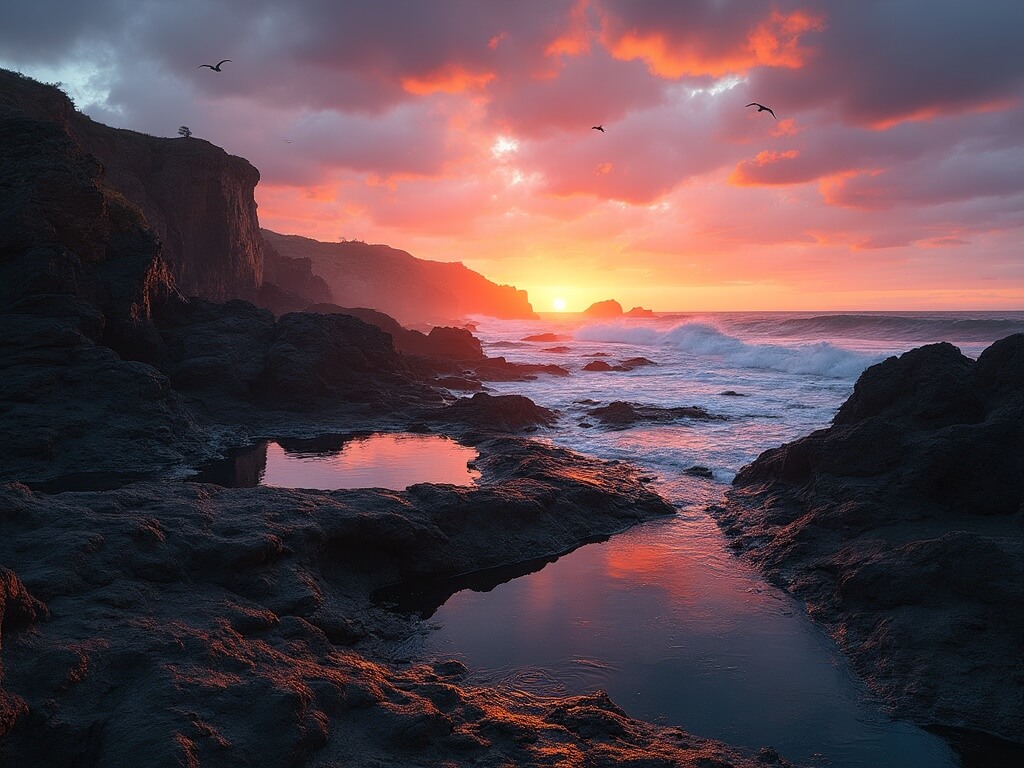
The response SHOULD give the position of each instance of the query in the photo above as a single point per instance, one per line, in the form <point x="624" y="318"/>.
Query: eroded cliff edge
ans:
<point x="902" y="526"/>
<point x="196" y="197"/>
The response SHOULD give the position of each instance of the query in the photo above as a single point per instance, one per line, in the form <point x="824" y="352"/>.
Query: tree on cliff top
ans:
<point x="184" y="131"/>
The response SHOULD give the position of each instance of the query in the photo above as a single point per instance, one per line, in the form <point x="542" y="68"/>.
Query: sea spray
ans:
<point x="819" y="358"/>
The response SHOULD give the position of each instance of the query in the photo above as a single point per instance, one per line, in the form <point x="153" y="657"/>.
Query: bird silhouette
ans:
<point x="286" y="141"/>
<point x="597" y="128"/>
<point x="762" y="108"/>
<point x="214" y="67"/>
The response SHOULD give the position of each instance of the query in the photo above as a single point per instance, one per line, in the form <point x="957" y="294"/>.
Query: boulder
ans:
<point x="900" y="525"/>
<point x="495" y="413"/>
<point x="607" y="308"/>
<point x="622" y="414"/>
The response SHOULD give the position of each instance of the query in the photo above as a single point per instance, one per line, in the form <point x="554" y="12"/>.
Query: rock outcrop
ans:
<point x="495" y="413"/>
<point x="620" y="414"/>
<point x="607" y="308"/>
<point x="624" y="366"/>
<point x="197" y="198"/>
<point x="289" y="285"/>
<point x="444" y="342"/>
<point x="198" y="625"/>
<point x="414" y="291"/>
<point x="900" y="525"/>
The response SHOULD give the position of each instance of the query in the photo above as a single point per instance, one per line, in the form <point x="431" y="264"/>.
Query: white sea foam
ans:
<point x="821" y="358"/>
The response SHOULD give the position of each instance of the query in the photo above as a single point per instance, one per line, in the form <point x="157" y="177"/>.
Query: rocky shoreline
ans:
<point x="200" y="625"/>
<point x="902" y="527"/>
<point x="174" y="623"/>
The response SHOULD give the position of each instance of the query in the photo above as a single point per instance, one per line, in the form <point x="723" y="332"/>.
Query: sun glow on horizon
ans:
<point x="558" y="303"/>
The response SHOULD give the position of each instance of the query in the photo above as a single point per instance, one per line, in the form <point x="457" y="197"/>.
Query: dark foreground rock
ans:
<point x="495" y="413"/>
<point x="187" y="624"/>
<point x="622" y="414"/>
<point x="902" y="526"/>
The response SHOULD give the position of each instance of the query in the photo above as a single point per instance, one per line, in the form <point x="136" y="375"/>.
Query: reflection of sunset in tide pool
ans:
<point x="677" y="631"/>
<point x="393" y="461"/>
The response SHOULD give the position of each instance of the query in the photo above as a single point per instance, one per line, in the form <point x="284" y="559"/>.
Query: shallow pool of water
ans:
<point x="379" y="460"/>
<point x="679" y="632"/>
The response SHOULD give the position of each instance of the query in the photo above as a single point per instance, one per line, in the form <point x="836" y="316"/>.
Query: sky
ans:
<point x="460" y="130"/>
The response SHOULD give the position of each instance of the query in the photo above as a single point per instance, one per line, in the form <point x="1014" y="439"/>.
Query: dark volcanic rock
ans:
<point x="635" y="362"/>
<point x="458" y="383"/>
<point x="318" y="356"/>
<point x="445" y="342"/>
<point x="621" y="414"/>
<point x="698" y="470"/>
<point x="496" y="413"/>
<point x="901" y="526"/>
<point x="624" y="366"/>
<point x="195" y="196"/>
<point x="198" y="625"/>
<point x="500" y="369"/>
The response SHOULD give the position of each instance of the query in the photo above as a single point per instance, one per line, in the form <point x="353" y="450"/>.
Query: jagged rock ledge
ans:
<point x="200" y="625"/>
<point x="902" y="526"/>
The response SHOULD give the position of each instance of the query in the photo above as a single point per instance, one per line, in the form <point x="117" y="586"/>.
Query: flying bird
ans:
<point x="597" y="128"/>
<point x="762" y="108"/>
<point x="286" y="141"/>
<point x="214" y="67"/>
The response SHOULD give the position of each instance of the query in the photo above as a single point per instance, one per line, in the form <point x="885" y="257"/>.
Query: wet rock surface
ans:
<point x="187" y="623"/>
<point x="623" y="366"/>
<point x="902" y="526"/>
<point x="620" y="414"/>
<point x="494" y="413"/>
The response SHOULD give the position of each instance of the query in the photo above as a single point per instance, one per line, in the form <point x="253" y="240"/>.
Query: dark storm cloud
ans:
<point x="880" y="61"/>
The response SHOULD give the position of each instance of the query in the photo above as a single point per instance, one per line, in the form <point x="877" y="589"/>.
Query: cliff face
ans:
<point x="195" y="196"/>
<point x="289" y="285"/>
<point x="199" y="201"/>
<point x="394" y="282"/>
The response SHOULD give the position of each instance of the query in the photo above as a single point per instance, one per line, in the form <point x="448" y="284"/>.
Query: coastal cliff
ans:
<point x="196" y="197"/>
<point x="413" y="291"/>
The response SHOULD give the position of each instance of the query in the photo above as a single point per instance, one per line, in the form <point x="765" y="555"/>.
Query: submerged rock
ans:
<point x="900" y="526"/>
<point x="624" y="366"/>
<point x="545" y="337"/>
<point x="698" y="470"/>
<point x="622" y="414"/>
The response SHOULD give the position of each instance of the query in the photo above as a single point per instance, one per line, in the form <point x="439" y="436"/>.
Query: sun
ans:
<point x="558" y="304"/>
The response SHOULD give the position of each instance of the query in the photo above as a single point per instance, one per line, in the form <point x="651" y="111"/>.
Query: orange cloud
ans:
<point x="749" y="172"/>
<point x="774" y="42"/>
<point x="837" y="189"/>
<point x="576" y="39"/>
<point x="451" y="78"/>
<point x="787" y="127"/>
<point x="941" y="110"/>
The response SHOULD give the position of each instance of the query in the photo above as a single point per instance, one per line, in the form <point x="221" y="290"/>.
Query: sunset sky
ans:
<point x="461" y="131"/>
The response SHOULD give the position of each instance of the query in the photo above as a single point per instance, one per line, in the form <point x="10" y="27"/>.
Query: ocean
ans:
<point x="664" y="617"/>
